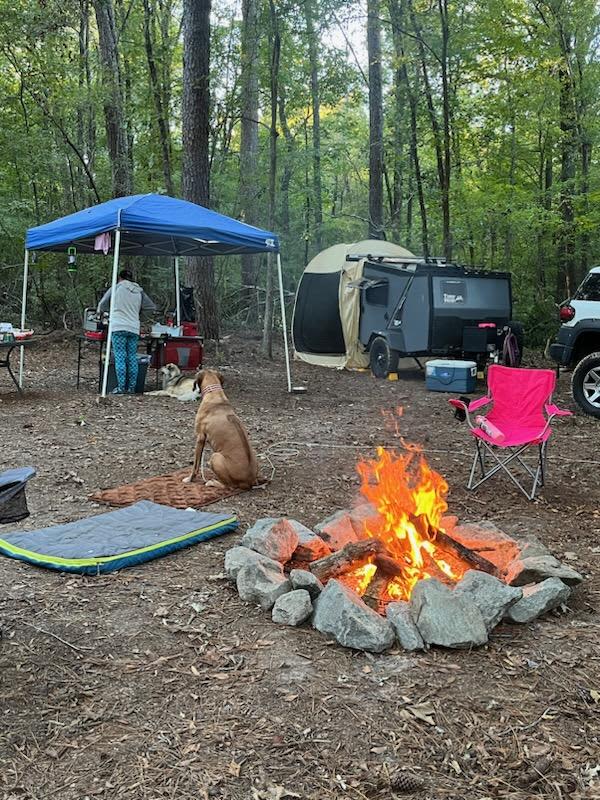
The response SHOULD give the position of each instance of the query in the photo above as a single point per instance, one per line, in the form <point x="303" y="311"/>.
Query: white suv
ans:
<point x="577" y="343"/>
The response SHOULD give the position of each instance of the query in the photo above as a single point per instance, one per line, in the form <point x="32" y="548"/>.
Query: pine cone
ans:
<point x="405" y="782"/>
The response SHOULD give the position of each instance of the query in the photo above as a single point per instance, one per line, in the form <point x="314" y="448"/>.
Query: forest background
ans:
<point x="467" y="130"/>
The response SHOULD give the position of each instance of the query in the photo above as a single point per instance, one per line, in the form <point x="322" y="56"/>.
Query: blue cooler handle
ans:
<point x="450" y="378"/>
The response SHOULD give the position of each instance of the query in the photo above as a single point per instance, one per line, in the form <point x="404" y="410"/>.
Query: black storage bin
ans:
<point x="143" y="363"/>
<point x="13" y="503"/>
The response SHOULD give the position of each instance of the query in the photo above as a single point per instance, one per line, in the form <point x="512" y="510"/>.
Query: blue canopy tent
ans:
<point x="151" y="224"/>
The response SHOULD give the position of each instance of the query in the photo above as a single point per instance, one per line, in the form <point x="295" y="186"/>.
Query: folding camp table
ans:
<point x="6" y="350"/>
<point x="156" y="346"/>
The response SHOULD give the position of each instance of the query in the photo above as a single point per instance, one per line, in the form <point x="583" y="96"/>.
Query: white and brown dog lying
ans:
<point x="175" y="384"/>
<point x="233" y="460"/>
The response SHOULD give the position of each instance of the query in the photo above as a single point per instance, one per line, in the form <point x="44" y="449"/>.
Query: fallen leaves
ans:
<point x="273" y="792"/>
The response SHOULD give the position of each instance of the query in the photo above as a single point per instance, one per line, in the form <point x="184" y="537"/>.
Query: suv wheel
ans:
<point x="382" y="359"/>
<point x="585" y="384"/>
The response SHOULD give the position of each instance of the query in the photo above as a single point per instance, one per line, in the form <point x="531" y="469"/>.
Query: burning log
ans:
<point x="432" y="569"/>
<point x="351" y="556"/>
<point x="375" y="591"/>
<point x="387" y="570"/>
<point x="472" y="558"/>
<point x="463" y="553"/>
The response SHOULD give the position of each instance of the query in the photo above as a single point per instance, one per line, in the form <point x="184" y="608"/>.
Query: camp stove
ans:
<point x="94" y="324"/>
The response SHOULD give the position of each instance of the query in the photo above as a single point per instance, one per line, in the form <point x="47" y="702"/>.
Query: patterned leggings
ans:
<point x="125" y="347"/>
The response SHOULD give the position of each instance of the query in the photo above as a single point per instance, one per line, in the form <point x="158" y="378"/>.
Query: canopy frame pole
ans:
<point x="177" y="291"/>
<point x="284" y="324"/>
<point x="115" y="271"/>
<point x="23" y="311"/>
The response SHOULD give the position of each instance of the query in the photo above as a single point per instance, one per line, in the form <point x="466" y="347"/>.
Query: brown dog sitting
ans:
<point x="233" y="460"/>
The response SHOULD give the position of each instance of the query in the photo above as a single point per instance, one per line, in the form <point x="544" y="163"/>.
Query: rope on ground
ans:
<point x="291" y="449"/>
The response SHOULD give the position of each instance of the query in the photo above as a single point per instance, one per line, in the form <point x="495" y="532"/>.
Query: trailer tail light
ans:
<point x="566" y="313"/>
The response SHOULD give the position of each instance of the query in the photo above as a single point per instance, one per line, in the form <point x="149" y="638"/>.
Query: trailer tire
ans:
<point x="382" y="359"/>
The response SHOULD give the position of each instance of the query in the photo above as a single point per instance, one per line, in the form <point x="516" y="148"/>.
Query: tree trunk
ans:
<point x="566" y="277"/>
<point x="286" y="176"/>
<point x="402" y="80"/>
<point x="195" y="145"/>
<point x="508" y="223"/>
<point x="441" y="149"/>
<point x="376" y="230"/>
<point x="545" y="176"/>
<point x="249" y="182"/>
<point x="316" y="124"/>
<point x="162" y="113"/>
<point x="267" y="341"/>
<point x="116" y="127"/>
<point x="446" y="234"/>
<point x="585" y="241"/>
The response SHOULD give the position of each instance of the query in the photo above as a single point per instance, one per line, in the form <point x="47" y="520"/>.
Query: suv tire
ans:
<point x="382" y="359"/>
<point x="585" y="384"/>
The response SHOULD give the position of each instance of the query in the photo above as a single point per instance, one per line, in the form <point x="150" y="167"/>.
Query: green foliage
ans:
<point x="505" y="60"/>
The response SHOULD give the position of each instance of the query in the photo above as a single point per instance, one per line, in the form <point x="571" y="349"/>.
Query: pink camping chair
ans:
<point x="521" y="414"/>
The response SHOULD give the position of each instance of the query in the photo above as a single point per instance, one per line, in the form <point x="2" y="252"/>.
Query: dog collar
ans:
<point x="213" y="387"/>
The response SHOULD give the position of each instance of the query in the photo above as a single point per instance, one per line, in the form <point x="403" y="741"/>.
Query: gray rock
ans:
<point x="273" y="537"/>
<point x="539" y="599"/>
<point x="446" y="618"/>
<point x="341" y="613"/>
<point x="337" y="530"/>
<point x="535" y="569"/>
<point x="491" y="596"/>
<point x="488" y="541"/>
<point x="292" y="608"/>
<point x="406" y="631"/>
<point x="238" y="557"/>
<point x="303" y="579"/>
<point x="262" y="584"/>
<point x="310" y="545"/>
<point x="532" y="547"/>
<point x="347" y="525"/>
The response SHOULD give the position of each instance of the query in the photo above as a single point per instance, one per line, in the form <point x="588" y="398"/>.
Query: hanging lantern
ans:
<point x="72" y="259"/>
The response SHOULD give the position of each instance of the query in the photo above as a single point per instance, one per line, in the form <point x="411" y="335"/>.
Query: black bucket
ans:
<point x="13" y="503"/>
<point x="15" y="509"/>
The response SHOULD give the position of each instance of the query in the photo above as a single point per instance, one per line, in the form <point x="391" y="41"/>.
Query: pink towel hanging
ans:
<point x="102" y="242"/>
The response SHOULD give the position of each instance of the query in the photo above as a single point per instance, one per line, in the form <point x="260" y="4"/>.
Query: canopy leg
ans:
<point x="284" y="323"/>
<point x="23" y="310"/>
<point x="110" y="312"/>
<point x="177" y="291"/>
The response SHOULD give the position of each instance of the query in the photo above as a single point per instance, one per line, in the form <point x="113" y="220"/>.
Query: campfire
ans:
<point x="404" y="540"/>
<point x="396" y="567"/>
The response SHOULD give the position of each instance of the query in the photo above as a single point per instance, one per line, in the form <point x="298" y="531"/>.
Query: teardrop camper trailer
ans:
<point x="327" y="309"/>
<point x="374" y="309"/>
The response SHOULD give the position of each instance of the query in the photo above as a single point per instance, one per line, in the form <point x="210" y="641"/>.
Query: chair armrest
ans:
<point x="454" y="401"/>
<point x="471" y="406"/>
<point x="555" y="411"/>
<point x="475" y="404"/>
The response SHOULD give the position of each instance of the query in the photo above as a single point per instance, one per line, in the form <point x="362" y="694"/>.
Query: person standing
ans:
<point x="130" y="301"/>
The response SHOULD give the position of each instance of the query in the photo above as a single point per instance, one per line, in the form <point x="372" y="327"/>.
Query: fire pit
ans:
<point x="396" y="568"/>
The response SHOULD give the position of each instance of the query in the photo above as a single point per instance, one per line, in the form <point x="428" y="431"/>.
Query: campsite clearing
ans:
<point x="157" y="682"/>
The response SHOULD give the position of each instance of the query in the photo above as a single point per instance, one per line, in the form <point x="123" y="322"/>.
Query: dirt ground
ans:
<point x="158" y="682"/>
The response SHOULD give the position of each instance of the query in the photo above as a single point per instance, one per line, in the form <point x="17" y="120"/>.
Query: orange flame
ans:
<point x="410" y="498"/>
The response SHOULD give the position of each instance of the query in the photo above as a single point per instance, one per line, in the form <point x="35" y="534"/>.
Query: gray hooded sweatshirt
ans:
<point x="130" y="301"/>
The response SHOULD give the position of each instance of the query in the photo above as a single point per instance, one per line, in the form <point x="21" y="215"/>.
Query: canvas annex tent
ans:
<point x="150" y="225"/>
<point x="327" y="309"/>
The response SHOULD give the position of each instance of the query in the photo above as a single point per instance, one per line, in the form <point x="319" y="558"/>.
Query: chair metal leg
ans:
<point x="502" y="465"/>
<point x="476" y="460"/>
